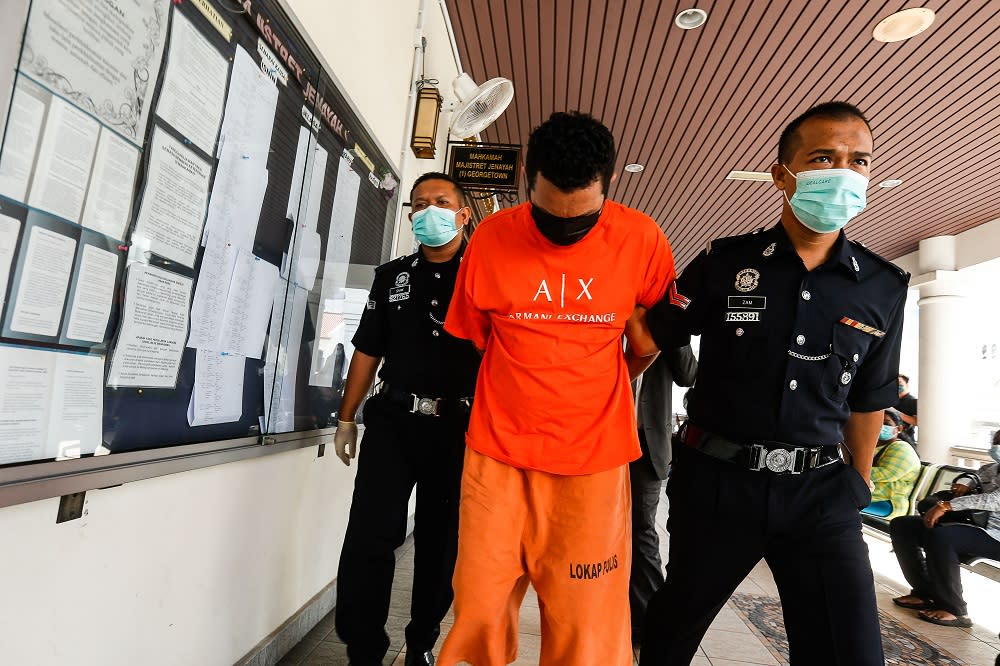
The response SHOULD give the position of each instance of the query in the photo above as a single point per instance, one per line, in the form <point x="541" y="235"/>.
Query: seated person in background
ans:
<point x="895" y="468"/>
<point x="966" y="483"/>
<point x="928" y="549"/>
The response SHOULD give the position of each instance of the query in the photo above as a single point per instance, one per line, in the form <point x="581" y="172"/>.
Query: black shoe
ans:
<point x="419" y="658"/>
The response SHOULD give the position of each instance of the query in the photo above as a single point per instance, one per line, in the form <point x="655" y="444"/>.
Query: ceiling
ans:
<point x="692" y="105"/>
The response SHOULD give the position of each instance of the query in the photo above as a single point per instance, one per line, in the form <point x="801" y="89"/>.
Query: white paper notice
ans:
<point x="282" y="361"/>
<point x="24" y="127"/>
<point x="307" y="248"/>
<point x="209" y="305"/>
<point x="295" y="195"/>
<point x="218" y="389"/>
<point x="9" y="229"/>
<point x="25" y="392"/>
<point x="173" y="201"/>
<point x="338" y="246"/>
<point x="77" y="406"/>
<point x="50" y="404"/>
<point x="194" y="85"/>
<point x="248" y="308"/>
<point x="338" y="250"/>
<point x="154" y="325"/>
<point x="109" y="197"/>
<point x="237" y="198"/>
<point x="64" y="160"/>
<point x="95" y="292"/>
<point x="104" y="54"/>
<point x="250" y="108"/>
<point x="11" y="28"/>
<point x="41" y="293"/>
<point x="316" y="175"/>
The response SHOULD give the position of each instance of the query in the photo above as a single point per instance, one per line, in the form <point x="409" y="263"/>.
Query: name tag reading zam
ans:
<point x="399" y="293"/>
<point x="748" y="302"/>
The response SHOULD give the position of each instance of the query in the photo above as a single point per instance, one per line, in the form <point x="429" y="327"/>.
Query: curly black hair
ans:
<point x="437" y="175"/>
<point x="571" y="150"/>
<point x="788" y="143"/>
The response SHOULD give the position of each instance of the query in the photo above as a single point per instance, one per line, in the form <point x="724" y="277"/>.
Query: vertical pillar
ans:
<point x="943" y="414"/>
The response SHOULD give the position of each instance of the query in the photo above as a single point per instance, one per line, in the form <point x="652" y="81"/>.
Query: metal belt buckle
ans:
<point x="779" y="460"/>
<point x="425" y="406"/>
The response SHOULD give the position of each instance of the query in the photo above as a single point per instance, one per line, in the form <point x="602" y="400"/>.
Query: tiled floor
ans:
<point x="730" y="642"/>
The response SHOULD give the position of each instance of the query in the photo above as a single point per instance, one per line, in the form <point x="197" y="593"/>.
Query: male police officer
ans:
<point x="414" y="433"/>
<point x="800" y="332"/>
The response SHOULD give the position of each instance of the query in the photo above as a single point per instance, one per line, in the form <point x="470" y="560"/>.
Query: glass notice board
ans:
<point x="190" y="214"/>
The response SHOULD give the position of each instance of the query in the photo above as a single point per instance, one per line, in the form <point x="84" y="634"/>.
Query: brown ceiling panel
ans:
<point x="692" y="105"/>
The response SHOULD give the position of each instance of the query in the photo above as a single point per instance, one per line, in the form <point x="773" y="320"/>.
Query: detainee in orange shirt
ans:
<point x="545" y="291"/>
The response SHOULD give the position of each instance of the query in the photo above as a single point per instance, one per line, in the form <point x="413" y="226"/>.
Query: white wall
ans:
<point x="196" y="568"/>
<point x="191" y="569"/>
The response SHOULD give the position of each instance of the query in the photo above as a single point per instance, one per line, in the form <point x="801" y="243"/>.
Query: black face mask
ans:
<point x="563" y="230"/>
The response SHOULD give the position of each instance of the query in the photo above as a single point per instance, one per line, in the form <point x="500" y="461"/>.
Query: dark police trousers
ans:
<point x="400" y="449"/>
<point x="724" y="519"/>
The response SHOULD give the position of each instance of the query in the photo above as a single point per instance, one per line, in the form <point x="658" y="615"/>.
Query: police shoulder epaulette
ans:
<point x="730" y="240"/>
<point x="882" y="261"/>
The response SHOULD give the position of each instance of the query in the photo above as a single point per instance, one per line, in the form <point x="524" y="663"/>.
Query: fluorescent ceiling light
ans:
<point x="634" y="167"/>
<point x="903" y="25"/>
<point x="892" y="182"/>
<point x="764" y="176"/>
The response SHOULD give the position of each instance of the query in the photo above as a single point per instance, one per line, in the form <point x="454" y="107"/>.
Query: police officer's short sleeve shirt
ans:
<point x="403" y="322"/>
<point x="786" y="354"/>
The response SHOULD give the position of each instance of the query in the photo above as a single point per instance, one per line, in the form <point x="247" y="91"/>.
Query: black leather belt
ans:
<point x="418" y="404"/>
<point x="758" y="456"/>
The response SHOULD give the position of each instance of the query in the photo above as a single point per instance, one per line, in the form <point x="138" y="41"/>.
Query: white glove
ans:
<point x="346" y="440"/>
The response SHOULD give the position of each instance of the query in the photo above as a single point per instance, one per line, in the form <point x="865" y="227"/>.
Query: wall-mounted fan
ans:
<point x="479" y="105"/>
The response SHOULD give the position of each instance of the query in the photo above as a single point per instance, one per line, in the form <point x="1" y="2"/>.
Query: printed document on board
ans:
<point x="218" y="388"/>
<point x="154" y="325"/>
<point x="194" y="85"/>
<point x="51" y="404"/>
<point x="173" y="202"/>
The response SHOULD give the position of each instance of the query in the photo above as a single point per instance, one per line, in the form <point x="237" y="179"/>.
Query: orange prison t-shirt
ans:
<point x="553" y="391"/>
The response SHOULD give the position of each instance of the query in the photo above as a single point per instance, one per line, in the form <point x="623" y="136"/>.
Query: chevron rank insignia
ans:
<point x="677" y="298"/>
<point x="864" y="328"/>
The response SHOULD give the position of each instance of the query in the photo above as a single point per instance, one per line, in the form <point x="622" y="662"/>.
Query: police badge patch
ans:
<point x="402" y="279"/>
<point x="747" y="279"/>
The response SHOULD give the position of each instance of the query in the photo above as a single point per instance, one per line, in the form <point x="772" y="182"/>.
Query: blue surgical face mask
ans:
<point x="825" y="200"/>
<point x="995" y="452"/>
<point x="886" y="433"/>
<point x="434" y="226"/>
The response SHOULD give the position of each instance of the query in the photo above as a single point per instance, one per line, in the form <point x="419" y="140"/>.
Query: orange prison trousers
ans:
<point x="569" y="536"/>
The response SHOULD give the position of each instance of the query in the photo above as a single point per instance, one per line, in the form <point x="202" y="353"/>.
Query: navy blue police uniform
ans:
<point x="786" y="355"/>
<point x="414" y="434"/>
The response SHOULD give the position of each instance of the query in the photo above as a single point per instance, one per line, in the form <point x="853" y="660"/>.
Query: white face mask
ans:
<point x="995" y="452"/>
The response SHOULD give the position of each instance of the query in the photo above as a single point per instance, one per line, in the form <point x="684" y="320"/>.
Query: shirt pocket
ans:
<point x="746" y="353"/>
<point x="848" y="349"/>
